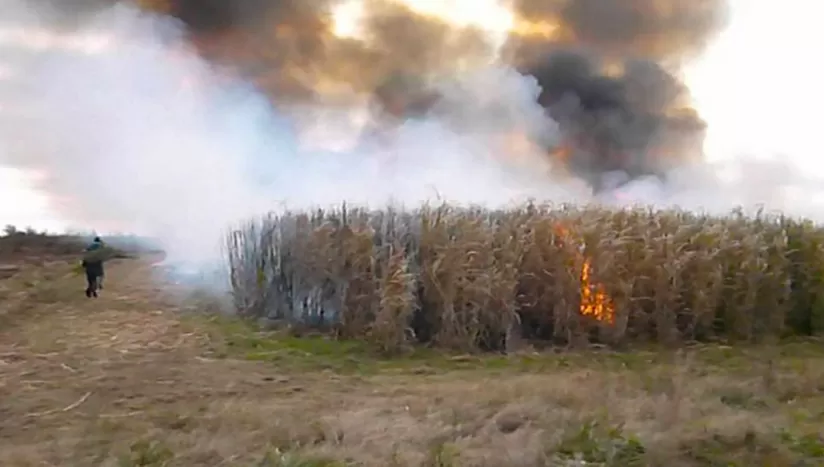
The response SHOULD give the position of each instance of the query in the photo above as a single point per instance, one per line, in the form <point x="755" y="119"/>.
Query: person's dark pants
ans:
<point x="91" y="284"/>
<point x="94" y="277"/>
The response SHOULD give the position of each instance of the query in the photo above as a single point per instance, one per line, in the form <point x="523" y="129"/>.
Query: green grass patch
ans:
<point x="236" y="338"/>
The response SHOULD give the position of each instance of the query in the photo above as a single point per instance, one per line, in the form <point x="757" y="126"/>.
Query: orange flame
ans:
<point x="160" y="6"/>
<point x="563" y="152"/>
<point x="595" y="302"/>
<point x="542" y="29"/>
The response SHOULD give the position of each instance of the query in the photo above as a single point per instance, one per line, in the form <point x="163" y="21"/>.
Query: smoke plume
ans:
<point x="135" y="130"/>
<point x="607" y="68"/>
<point x="609" y="73"/>
<point x="181" y="117"/>
<point x="290" y="50"/>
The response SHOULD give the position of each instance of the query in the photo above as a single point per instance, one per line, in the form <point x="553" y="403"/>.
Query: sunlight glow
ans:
<point x="21" y="206"/>
<point x="346" y="17"/>
<point x="487" y="15"/>
<point x="759" y="86"/>
<point x="38" y="39"/>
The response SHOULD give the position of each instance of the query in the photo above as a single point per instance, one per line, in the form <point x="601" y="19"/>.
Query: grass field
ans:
<point x="140" y="378"/>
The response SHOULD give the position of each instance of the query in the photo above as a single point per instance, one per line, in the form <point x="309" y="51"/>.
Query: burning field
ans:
<point x="184" y="117"/>
<point x="601" y="78"/>
<point x="488" y="280"/>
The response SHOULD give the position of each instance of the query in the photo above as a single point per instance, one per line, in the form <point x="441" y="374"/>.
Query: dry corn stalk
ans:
<point x="460" y="278"/>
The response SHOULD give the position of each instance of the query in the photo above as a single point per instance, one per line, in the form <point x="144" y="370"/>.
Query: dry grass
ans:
<point x="36" y="247"/>
<point x="131" y="380"/>
<point x="472" y="279"/>
<point x="33" y="246"/>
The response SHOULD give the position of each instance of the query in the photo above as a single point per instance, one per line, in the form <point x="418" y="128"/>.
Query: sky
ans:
<point x="758" y="87"/>
<point x="20" y="205"/>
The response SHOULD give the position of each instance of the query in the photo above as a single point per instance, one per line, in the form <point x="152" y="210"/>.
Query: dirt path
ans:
<point x="126" y="380"/>
<point x="83" y="375"/>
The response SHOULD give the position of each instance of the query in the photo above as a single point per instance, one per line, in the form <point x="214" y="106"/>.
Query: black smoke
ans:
<point x="609" y="69"/>
<point x="610" y="76"/>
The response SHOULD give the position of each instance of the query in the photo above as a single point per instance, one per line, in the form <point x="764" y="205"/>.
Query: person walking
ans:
<point x="93" y="266"/>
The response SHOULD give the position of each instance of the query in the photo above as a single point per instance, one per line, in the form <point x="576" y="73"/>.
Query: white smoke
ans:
<point x="136" y="133"/>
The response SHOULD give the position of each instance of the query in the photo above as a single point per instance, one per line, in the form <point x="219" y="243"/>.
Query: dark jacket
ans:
<point x="95" y="267"/>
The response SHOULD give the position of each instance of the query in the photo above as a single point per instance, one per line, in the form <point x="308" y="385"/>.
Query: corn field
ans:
<point x="474" y="279"/>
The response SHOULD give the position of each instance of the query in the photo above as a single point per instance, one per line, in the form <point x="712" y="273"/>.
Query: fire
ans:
<point x="518" y="145"/>
<point x="160" y="6"/>
<point x="563" y="152"/>
<point x="614" y="69"/>
<point x="542" y="29"/>
<point x="595" y="302"/>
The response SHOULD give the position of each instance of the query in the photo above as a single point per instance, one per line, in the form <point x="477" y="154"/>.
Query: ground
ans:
<point x="140" y="378"/>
